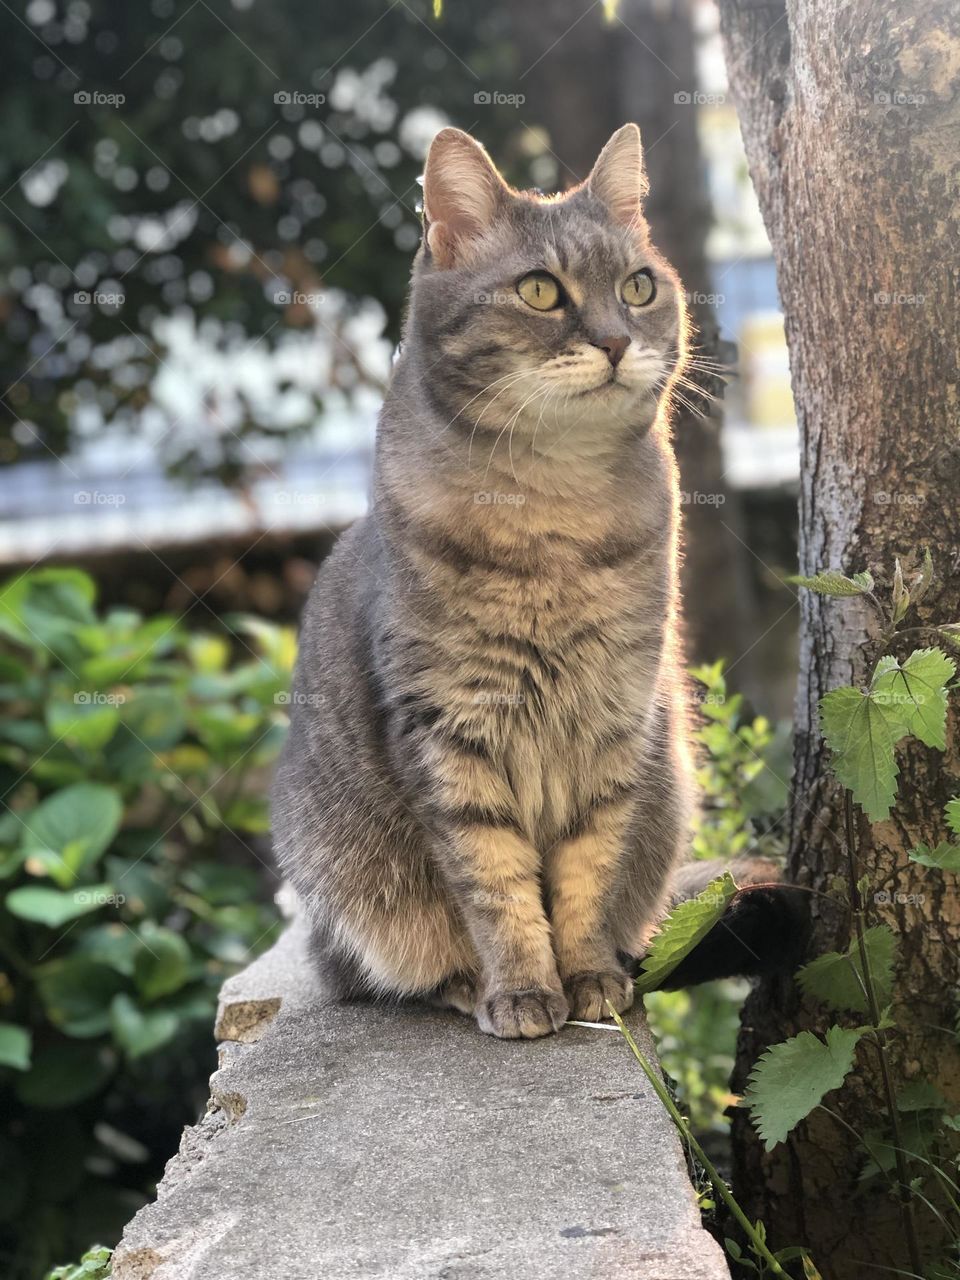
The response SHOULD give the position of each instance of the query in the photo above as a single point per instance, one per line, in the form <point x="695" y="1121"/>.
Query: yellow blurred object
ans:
<point x="766" y="370"/>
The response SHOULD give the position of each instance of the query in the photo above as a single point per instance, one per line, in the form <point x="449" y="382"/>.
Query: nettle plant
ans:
<point x="133" y="760"/>
<point x="862" y="726"/>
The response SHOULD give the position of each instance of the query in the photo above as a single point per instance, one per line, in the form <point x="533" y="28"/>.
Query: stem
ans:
<point x="903" y="1170"/>
<point x="720" y="1186"/>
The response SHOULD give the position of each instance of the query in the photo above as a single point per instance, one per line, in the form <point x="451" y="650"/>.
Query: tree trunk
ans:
<point x="850" y="111"/>
<point x="593" y="76"/>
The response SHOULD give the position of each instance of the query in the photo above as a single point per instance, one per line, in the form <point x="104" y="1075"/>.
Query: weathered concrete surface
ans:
<point x="347" y="1142"/>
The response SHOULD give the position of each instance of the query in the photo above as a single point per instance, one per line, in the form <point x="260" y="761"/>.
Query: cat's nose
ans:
<point x="614" y="347"/>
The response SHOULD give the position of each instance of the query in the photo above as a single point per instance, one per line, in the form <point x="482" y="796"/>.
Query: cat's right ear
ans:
<point x="462" y="192"/>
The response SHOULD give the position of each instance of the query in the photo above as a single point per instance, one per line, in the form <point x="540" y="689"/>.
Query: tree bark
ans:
<point x="850" y="111"/>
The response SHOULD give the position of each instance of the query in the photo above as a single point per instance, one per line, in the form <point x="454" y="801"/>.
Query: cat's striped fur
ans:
<point x="487" y="784"/>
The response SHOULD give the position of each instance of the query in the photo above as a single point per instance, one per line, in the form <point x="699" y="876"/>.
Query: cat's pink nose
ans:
<point x="614" y="347"/>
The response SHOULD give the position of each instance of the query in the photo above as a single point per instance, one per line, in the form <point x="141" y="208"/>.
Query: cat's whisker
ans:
<point x="517" y="377"/>
<point x="513" y="374"/>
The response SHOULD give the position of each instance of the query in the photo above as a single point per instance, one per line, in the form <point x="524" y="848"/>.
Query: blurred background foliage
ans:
<point x="134" y="877"/>
<point x="287" y="172"/>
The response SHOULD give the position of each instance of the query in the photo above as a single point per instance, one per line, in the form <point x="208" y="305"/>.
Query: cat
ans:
<point x="486" y="793"/>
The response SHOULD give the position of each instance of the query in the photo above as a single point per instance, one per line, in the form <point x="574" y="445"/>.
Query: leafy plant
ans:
<point x="133" y="757"/>
<point x="741" y="775"/>
<point x="94" y="1265"/>
<point x="901" y="698"/>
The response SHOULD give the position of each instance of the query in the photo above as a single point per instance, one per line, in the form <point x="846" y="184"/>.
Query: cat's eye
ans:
<point x="638" y="290"/>
<point x="540" y="291"/>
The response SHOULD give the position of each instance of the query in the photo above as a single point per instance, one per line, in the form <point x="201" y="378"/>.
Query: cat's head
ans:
<point x="530" y="308"/>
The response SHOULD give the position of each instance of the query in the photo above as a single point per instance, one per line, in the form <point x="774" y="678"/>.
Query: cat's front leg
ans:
<point x="581" y="872"/>
<point x="493" y="874"/>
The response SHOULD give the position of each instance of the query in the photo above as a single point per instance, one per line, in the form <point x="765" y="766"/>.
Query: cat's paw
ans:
<point x="513" y="1015"/>
<point x="588" y="994"/>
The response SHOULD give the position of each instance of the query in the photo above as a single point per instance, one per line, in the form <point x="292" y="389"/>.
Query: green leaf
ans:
<point x="70" y="829"/>
<point x="54" y="907"/>
<point x="915" y="694"/>
<point x="140" y="1032"/>
<point x="85" y="722"/>
<point x="920" y="1095"/>
<point x="45" y="610"/>
<point x="163" y="963"/>
<point x="64" y="1074"/>
<point x="835" y="979"/>
<point x="945" y="857"/>
<point x="857" y="731"/>
<point x="831" y="582"/>
<point x="952" y="815"/>
<point x="94" y="1265"/>
<point x="114" y="945"/>
<point x="15" y="1045"/>
<point x="683" y="928"/>
<point x="791" y="1078"/>
<point x="76" y="994"/>
<point x="155" y="718"/>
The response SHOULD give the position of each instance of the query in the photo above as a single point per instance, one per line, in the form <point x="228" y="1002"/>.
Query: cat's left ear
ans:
<point x="618" y="179"/>
<point x="462" y="193"/>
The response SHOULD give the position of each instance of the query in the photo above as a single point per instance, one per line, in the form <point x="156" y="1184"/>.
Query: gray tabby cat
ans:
<point x="487" y="785"/>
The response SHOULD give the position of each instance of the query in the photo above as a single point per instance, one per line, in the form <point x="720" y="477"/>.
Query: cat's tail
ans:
<point x="764" y="930"/>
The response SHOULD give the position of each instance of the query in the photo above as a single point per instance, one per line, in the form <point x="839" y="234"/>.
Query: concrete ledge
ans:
<point x="349" y="1142"/>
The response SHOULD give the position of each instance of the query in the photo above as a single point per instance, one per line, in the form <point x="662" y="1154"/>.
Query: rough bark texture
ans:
<point x="593" y="76"/>
<point x="850" y="110"/>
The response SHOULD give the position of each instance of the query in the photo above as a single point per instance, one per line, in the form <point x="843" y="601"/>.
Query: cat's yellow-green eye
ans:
<point x="638" y="290"/>
<point x="540" y="291"/>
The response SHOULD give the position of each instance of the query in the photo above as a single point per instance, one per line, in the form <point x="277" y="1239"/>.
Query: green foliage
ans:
<point x="912" y="1144"/>
<point x="683" y="928"/>
<point x="94" y="1265"/>
<point x="857" y="729"/>
<point x="224" y="212"/>
<point x="836" y="979"/>
<point x="862" y="728"/>
<point x="791" y="1078"/>
<point x="696" y="1036"/>
<point x="742" y="774"/>
<point x="831" y="582"/>
<point x="915" y="693"/>
<point x="132" y="765"/>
